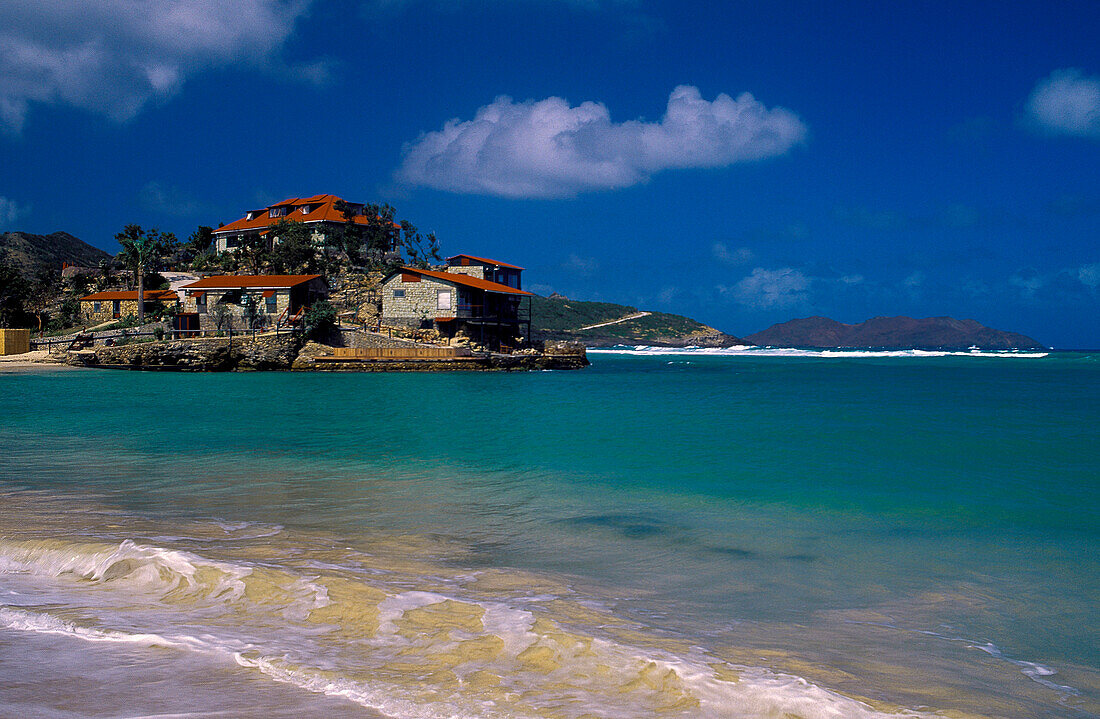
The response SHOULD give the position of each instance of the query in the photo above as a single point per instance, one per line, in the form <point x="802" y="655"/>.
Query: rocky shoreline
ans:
<point x="291" y="353"/>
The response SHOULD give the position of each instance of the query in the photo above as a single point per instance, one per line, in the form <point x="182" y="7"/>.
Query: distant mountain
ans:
<point x="891" y="333"/>
<point x="32" y="253"/>
<point x="558" y="317"/>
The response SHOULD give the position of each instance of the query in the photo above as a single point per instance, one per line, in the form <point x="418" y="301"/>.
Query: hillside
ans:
<point x="561" y="318"/>
<point x="32" y="253"/>
<point x="890" y="333"/>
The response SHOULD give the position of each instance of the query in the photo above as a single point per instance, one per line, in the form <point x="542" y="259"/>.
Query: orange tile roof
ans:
<point x="465" y="280"/>
<point x="326" y="211"/>
<point x="237" y="282"/>
<point x="487" y="262"/>
<point x="130" y="295"/>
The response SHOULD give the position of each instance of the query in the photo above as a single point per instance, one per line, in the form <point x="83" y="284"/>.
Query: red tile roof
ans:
<point x="237" y="282"/>
<point x="465" y="280"/>
<point x="150" y="295"/>
<point x="324" y="210"/>
<point x="487" y="262"/>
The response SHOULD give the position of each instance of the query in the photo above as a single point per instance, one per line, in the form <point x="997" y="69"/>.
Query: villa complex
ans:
<point x="318" y="212"/>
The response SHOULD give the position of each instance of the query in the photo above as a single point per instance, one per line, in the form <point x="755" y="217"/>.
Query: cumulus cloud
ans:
<point x="167" y="200"/>
<point x="731" y="256"/>
<point x="115" y="56"/>
<point x="1089" y="275"/>
<point x="583" y="266"/>
<point x="10" y="211"/>
<point x="549" y="148"/>
<point x="1066" y="103"/>
<point x="770" y="289"/>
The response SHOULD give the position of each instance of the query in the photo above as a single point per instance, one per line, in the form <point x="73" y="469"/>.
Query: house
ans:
<point x="249" y="300"/>
<point x="456" y="303"/>
<point x="318" y="212"/>
<point x="492" y="270"/>
<point x="113" y="305"/>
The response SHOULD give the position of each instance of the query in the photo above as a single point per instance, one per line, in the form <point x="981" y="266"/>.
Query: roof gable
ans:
<point x="486" y="261"/>
<point x="457" y="279"/>
<point x="237" y="282"/>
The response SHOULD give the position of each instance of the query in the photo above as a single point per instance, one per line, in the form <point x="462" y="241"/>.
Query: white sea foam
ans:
<point x="750" y="351"/>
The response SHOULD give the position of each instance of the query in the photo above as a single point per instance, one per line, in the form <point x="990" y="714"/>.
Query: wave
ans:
<point x="437" y="649"/>
<point x="752" y="351"/>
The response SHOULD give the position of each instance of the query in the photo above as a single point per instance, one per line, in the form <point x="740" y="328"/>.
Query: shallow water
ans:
<point x="688" y="534"/>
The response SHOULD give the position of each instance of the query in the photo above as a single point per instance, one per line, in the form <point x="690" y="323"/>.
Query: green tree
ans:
<point x="419" y="249"/>
<point x="143" y="250"/>
<point x="13" y="292"/>
<point x="319" y="321"/>
<point x="381" y="234"/>
<point x="293" y="251"/>
<point x="201" y="239"/>
<point x="253" y="252"/>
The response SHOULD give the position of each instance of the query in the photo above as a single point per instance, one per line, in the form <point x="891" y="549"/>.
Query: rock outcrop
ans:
<point x="287" y="352"/>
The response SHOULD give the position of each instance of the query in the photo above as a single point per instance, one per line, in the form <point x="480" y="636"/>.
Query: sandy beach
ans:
<point x="29" y="361"/>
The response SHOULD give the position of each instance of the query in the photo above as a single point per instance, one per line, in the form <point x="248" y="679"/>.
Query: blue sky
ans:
<point x="741" y="163"/>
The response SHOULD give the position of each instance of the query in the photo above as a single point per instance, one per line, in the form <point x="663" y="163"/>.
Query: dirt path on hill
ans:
<point x="634" y="316"/>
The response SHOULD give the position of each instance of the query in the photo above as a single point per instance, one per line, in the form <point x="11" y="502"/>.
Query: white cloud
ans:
<point x="114" y="56"/>
<point x="10" y="211"/>
<point x="550" y="149"/>
<point x="1089" y="275"/>
<point x="737" y="256"/>
<point x="167" y="200"/>
<point x="770" y="289"/>
<point x="583" y="266"/>
<point x="914" y="280"/>
<point x="1067" y="102"/>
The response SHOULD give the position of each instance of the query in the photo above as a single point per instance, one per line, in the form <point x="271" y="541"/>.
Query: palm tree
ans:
<point x="142" y="250"/>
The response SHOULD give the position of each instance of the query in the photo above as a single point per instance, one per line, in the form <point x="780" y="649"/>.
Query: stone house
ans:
<point x="318" y="212"/>
<point x="456" y="303"/>
<point x="114" y="305"/>
<point x="249" y="300"/>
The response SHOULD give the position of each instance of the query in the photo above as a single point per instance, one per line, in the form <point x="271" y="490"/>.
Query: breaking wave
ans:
<point x="408" y="640"/>
<point x="752" y="351"/>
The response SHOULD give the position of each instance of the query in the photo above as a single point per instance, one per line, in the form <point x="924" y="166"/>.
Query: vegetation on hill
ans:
<point x="554" y="318"/>
<point x="32" y="254"/>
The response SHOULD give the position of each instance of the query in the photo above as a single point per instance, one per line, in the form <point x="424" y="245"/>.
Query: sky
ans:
<point x="742" y="163"/>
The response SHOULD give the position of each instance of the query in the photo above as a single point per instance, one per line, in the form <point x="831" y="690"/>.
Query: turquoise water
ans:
<point x="683" y="535"/>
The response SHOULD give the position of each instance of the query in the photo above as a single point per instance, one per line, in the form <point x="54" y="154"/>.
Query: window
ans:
<point x="444" y="300"/>
<point x="251" y="215"/>
<point x="270" y="304"/>
<point x="305" y="209"/>
<point x="232" y="241"/>
<point x="399" y="293"/>
<point x="117" y="309"/>
<point x="276" y="212"/>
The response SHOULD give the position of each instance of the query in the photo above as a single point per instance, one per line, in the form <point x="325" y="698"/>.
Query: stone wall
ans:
<point x="472" y="270"/>
<point x="106" y="313"/>
<point x="236" y="310"/>
<point x="368" y="340"/>
<point x="421" y="301"/>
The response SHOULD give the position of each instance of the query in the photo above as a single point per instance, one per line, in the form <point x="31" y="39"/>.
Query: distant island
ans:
<point x="891" y="333"/>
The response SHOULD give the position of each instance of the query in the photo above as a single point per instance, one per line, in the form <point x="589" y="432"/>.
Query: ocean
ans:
<point x="667" y="533"/>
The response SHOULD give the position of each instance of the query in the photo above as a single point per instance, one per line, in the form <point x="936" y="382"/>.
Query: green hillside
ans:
<point x="563" y="319"/>
<point x="31" y="254"/>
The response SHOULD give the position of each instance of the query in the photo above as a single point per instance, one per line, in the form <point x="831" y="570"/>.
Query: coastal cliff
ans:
<point x="891" y="333"/>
